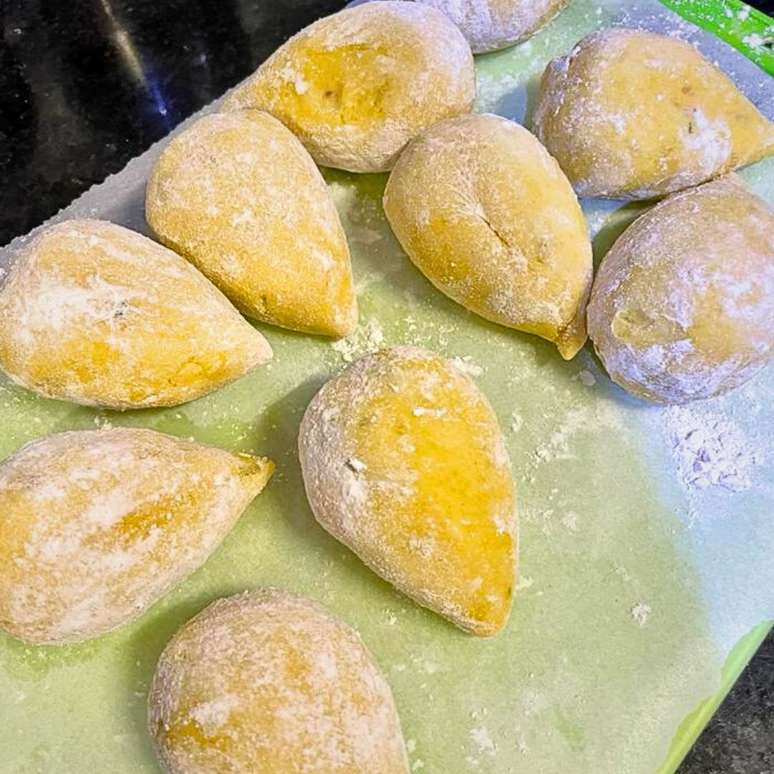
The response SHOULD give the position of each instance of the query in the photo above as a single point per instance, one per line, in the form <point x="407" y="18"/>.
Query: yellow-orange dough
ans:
<point x="237" y="194"/>
<point x="635" y="115"/>
<point x="489" y="25"/>
<point x="97" y="525"/>
<point x="356" y="86"/>
<point x="488" y="217"/>
<point x="267" y="682"/>
<point x="97" y="314"/>
<point x="404" y="462"/>
<point x="683" y="305"/>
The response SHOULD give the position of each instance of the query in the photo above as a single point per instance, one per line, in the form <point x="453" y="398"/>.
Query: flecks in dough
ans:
<point x="267" y="682"/>
<point x="97" y="314"/>
<point x="683" y="305"/>
<point x="636" y="115"/>
<point x="490" y="219"/>
<point x="404" y="462"/>
<point x="97" y="525"/>
<point x="238" y="195"/>
<point x="356" y="86"/>
<point x="489" y="25"/>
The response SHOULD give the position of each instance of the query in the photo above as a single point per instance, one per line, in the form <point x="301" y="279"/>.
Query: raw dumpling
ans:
<point x="404" y="462"/>
<point x="97" y="525"/>
<point x="355" y="87"/>
<point x="238" y="195"/>
<point x="635" y="115"/>
<point x="267" y="682"/>
<point x="489" y="218"/>
<point x="492" y="24"/>
<point x="97" y="314"/>
<point x="683" y="304"/>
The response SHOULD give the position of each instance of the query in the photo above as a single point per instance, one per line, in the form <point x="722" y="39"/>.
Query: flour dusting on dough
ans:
<point x="489" y="25"/>
<point x="284" y="681"/>
<point x="106" y="521"/>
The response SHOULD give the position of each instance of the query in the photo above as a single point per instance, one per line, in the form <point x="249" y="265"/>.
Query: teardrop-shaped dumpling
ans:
<point x="267" y="682"/>
<point x="97" y="314"/>
<point x="635" y="115"/>
<point x="238" y="195"/>
<point x="404" y="462"/>
<point x="356" y="86"/>
<point x="489" y="218"/>
<point x="489" y="25"/>
<point x="683" y="304"/>
<point x="97" y="525"/>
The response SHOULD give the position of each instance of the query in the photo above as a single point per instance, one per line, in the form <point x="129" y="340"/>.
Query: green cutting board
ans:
<point x="635" y="583"/>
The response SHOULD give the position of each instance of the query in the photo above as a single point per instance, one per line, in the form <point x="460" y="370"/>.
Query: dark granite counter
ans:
<point x="740" y="737"/>
<point x="87" y="85"/>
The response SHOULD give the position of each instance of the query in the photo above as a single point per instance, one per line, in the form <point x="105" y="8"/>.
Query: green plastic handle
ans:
<point x="691" y="728"/>
<point x="746" y="29"/>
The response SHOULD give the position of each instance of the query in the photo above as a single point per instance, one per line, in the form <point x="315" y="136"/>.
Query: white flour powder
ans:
<point x="711" y="450"/>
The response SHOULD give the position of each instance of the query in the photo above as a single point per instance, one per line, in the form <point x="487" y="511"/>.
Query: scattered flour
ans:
<point x="524" y="582"/>
<point x="483" y="740"/>
<point x="560" y="444"/>
<point x="491" y="90"/>
<point x="467" y="366"/>
<point x="367" y="338"/>
<point x="570" y="521"/>
<point x="640" y="613"/>
<point x="425" y="665"/>
<point x="711" y="450"/>
<point x="755" y="40"/>
<point x="517" y="422"/>
<point x="557" y="446"/>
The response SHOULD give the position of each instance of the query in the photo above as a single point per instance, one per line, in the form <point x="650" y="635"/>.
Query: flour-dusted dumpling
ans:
<point x="492" y="24"/>
<point x="355" y="87"/>
<point x="97" y="314"/>
<point x="635" y="115"/>
<point x="238" y="195"/>
<point x="489" y="218"/>
<point x="404" y="462"/>
<point x="267" y="682"/>
<point x="97" y="525"/>
<point x="683" y="305"/>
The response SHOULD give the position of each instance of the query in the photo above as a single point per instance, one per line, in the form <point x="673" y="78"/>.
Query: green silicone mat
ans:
<point x="640" y="580"/>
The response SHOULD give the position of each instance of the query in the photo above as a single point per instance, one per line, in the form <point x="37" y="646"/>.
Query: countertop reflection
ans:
<point x="86" y="86"/>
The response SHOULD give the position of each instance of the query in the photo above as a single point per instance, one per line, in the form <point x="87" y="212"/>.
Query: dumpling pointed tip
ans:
<point x="569" y="348"/>
<point x="484" y="620"/>
<point x="571" y="339"/>
<point x="256" y="472"/>
<point x="342" y="322"/>
<point x="487" y="628"/>
<point x="260" y="351"/>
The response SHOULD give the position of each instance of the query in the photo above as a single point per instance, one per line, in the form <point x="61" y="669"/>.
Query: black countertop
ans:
<point x="87" y="85"/>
